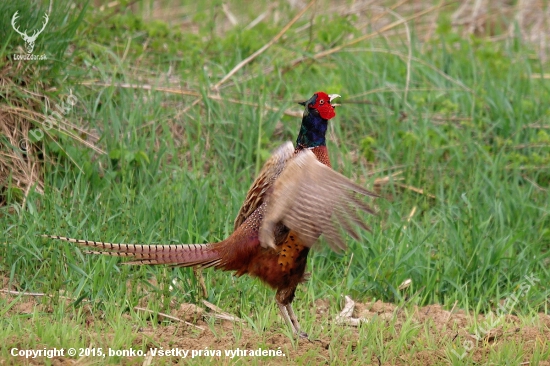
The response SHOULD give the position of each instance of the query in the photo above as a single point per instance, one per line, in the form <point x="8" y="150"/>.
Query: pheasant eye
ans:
<point x="321" y="102"/>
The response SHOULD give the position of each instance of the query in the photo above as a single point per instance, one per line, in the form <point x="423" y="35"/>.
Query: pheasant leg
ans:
<point x="291" y="319"/>
<point x="294" y="320"/>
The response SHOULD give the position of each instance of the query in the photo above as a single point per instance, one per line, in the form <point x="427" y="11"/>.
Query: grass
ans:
<point x="464" y="120"/>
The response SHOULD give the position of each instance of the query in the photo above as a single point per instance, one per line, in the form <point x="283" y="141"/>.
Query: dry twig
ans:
<point x="414" y="189"/>
<point x="386" y="28"/>
<point x="247" y="60"/>
<point x="215" y="97"/>
<point x="345" y="316"/>
<point x="220" y="314"/>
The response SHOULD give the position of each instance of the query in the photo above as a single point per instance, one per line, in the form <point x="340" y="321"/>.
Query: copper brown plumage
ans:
<point x="295" y="199"/>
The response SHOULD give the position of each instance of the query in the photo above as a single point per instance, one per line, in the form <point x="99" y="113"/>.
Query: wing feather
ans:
<point x="312" y="199"/>
<point x="259" y="189"/>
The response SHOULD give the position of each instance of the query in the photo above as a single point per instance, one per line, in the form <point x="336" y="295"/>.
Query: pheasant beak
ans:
<point x="332" y="97"/>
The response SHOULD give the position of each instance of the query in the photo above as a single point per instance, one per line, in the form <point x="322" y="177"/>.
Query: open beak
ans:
<point x="332" y="97"/>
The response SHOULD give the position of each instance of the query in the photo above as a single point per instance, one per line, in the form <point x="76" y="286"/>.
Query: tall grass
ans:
<point x="468" y="134"/>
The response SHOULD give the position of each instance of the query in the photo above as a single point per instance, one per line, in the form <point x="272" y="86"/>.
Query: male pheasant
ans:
<point x="296" y="198"/>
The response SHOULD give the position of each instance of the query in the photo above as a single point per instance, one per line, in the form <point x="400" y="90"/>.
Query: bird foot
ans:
<point x="292" y="321"/>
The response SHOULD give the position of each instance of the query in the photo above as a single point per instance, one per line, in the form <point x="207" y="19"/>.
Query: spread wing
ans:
<point x="269" y="173"/>
<point x="312" y="199"/>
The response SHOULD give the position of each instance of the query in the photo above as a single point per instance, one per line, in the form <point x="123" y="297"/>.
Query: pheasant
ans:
<point x="296" y="198"/>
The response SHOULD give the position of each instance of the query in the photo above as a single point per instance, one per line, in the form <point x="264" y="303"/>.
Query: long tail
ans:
<point x="180" y="255"/>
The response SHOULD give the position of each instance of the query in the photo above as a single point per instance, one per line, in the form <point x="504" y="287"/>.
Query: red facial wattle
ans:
<point x="323" y="106"/>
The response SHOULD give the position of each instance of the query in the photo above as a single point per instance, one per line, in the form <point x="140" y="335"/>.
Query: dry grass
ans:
<point x="487" y="18"/>
<point x="500" y="19"/>
<point x="22" y="127"/>
<point x="20" y="161"/>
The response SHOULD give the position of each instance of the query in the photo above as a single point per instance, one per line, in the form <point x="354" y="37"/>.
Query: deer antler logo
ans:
<point x="29" y="40"/>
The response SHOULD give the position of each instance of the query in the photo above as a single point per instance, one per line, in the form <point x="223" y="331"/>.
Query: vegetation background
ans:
<point x="149" y="119"/>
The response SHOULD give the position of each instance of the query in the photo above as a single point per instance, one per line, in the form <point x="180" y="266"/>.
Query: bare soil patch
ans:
<point x="439" y="329"/>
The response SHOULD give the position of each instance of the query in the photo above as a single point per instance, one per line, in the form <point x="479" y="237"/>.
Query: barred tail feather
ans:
<point x="180" y="255"/>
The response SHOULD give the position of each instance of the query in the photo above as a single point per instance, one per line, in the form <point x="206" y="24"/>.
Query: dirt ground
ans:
<point x="443" y="327"/>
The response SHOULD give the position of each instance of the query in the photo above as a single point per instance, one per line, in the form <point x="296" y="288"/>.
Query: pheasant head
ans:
<point x="318" y="110"/>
